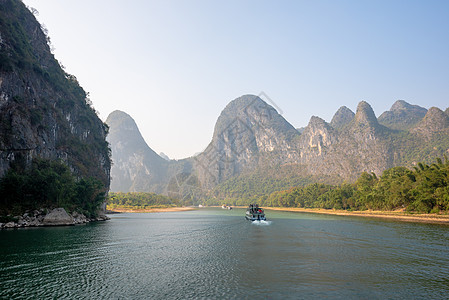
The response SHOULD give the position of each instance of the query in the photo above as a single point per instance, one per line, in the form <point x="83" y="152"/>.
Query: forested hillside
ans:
<point x="423" y="189"/>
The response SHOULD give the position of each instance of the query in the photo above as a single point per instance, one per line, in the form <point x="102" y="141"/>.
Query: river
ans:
<point x="213" y="253"/>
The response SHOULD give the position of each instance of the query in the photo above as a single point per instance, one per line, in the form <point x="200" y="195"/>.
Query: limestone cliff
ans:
<point x="136" y="166"/>
<point x="43" y="111"/>
<point x="248" y="134"/>
<point x="358" y="145"/>
<point x="342" y="117"/>
<point x="435" y="121"/>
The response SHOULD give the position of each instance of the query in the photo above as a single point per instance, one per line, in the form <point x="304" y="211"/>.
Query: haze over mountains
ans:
<point x="253" y="142"/>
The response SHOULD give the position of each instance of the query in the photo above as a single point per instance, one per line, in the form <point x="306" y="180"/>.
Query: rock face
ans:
<point x="43" y="110"/>
<point x="435" y="121"/>
<point x="342" y="117"/>
<point x="316" y="140"/>
<point x="136" y="166"/>
<point x="355" y="145"/>
<point x="248" y="134"/>
<point x="58" y="216"/>
<point x="402" y="115"/>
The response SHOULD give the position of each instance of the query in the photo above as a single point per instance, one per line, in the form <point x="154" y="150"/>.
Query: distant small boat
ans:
<point x="255" y="213"/>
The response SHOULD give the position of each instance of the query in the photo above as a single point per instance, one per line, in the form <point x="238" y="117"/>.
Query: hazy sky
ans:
<point x="174" y="65"/>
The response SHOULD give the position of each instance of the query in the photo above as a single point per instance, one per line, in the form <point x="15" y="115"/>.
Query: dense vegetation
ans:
<point x="140" y="201"/>
<point x="425" y="189"/>
<point x="250" y="187"/>
<point x="48" y="184"/>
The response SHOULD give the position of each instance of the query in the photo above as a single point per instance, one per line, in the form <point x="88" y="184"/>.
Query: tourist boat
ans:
<point x="255" y="213"/>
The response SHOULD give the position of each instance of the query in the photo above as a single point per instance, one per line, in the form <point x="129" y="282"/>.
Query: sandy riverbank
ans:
<point x="151" y="210"/>
<point x="392" y="215"/>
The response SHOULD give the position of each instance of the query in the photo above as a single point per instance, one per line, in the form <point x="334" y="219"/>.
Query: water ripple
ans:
<point x="217" y="254"/>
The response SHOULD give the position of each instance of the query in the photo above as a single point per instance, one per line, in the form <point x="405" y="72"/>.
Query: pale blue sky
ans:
<point x="174" y="65"/>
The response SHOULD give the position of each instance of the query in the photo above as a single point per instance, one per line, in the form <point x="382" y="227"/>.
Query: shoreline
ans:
<point x="149" y="210"/>
<point x="392" y="215"/>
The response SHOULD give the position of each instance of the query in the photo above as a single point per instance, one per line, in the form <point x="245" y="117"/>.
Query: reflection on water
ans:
<point x="215" y="253"/>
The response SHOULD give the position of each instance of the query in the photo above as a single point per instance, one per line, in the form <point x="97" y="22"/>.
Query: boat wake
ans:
<point x="261" y="223"/>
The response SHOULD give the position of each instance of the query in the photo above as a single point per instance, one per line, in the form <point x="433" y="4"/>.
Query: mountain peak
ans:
<point x="402" y="115"/>
<point x="342" y="117"/>
<point x="435" y="121"/>
<point x="316" y="121"/>
<point x="246" y="129"/>
<point x="131" y="152"/>
<point x="401" y="105"/>
<point x="365" y="115"/>
<point x="119" y="120"/>
<point x="252" y="113"/>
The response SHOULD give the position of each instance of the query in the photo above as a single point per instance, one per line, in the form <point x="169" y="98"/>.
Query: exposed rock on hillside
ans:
<point x="435" y="121"/>
<point x="342" y="117"/>
<point x="135" y="165"/>
<point x="357" y="146"/>
<point x="43" y="111"/>
<point x="402" y="115"/>
<point x="365" y="117"/>
<point x="316" y="139"/>
<point x="58" y="216"/>
<point x="248" y="133"/>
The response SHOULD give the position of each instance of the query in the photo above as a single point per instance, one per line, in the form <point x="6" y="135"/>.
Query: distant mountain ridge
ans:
<point x="402" y="115"/>
<point x="252" y="140"/>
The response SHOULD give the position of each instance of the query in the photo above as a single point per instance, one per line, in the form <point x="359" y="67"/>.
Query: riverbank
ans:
<point x="47" y="217"/>
<point x="392" y="215"/>
<point x="148" y="210"/>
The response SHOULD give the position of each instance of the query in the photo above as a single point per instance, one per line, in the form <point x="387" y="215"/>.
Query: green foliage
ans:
<point x="20" y="55"/>
<point x="141" y="200"/>
<point x="424" y="189"/>
<point x="252" y="187"/>
<point x="48" y="184"/>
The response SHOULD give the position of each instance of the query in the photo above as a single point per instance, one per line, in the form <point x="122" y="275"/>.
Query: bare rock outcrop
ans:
<point x="57" y="217"/>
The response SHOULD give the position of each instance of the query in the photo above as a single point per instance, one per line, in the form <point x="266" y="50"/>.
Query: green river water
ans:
<point x="213" y="253"/>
